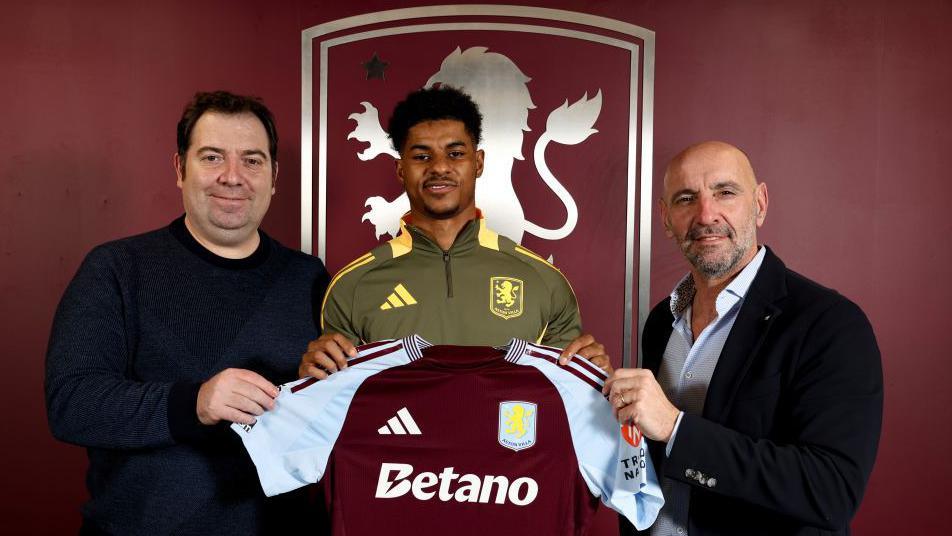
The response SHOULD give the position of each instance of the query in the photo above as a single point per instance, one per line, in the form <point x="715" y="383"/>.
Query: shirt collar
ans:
<point x="255" y="260"/>
<point x="683" y="293"/>
<point x="465" y="240"/>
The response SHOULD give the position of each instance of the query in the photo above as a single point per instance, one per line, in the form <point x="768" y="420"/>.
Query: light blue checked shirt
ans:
<point x="686" y="370"/>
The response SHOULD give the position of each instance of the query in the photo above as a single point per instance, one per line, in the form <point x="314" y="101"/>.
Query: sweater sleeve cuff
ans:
<point x="183" y="420"/>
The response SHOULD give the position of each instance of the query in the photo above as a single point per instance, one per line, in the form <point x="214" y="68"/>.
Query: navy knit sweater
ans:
<point x="143" y="323"/>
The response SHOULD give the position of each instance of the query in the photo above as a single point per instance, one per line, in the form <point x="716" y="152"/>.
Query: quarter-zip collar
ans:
<point x="469" y="237"/>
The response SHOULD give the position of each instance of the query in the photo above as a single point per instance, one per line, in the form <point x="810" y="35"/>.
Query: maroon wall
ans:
<point x="91" y="93"/>
<point x="843" y="107"/>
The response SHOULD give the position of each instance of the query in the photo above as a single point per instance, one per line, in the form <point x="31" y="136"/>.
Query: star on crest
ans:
<point x="375" y="67"/>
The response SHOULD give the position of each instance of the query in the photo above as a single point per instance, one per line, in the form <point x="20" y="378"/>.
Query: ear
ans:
<point x="399" y="164"/>
<point x="480" y="156"/>
<point x="761" y="198"/>
<point x="274" y="179"/>
<point x="179" y="172"/>
<point x="663" y="208"/>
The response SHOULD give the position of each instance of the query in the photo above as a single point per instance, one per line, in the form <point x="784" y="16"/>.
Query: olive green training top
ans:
<point x="484" y="291"/>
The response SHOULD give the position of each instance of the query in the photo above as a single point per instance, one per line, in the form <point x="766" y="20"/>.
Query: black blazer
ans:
<point x="792" y="417"/>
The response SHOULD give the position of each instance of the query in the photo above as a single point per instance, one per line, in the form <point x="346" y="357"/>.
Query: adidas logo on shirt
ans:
<point x="400" y="424"/>
<point x="400" y="297"/>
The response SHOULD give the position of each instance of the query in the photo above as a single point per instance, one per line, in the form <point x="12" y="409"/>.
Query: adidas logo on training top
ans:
<point x="401" y="424"/>
<point x="400" y="297"/>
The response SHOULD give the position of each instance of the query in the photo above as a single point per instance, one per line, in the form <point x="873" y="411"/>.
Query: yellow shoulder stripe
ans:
<point x="344" y="271"/>
<point x="403" y="243"/>
<point x="487" y="237"/>
<point x="355" y="261"/>
<point x="541" y="335"/>
<point x="529" y="253"/>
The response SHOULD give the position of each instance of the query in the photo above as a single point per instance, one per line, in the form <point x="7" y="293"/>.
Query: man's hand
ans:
<point x="326" y="355"/>
<point x="637" y="397"/>
<point x="234" y="395"/>
<point x="585" y="346"/>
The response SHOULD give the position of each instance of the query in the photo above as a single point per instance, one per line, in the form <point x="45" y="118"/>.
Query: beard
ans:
<point x="443" y="212"/>
<point x="446" y="206"/>
<point x="716" y="262"/>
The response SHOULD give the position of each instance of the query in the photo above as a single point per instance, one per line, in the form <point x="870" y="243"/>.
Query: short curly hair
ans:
<point x="433" y="104"/>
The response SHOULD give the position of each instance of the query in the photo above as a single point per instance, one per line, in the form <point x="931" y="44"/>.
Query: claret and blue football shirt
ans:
<point x="419" y="439"/>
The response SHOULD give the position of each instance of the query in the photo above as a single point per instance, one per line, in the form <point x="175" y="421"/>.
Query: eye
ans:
<point x="457" y="154"/>
<point x="254" y="162"/>
<point x="683" y="199"/>
<point x="210" y="158"/>
<point x="421" y="157"/>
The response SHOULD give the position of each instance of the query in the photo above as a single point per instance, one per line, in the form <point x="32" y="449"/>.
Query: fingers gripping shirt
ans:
<point x="425" y="439"/>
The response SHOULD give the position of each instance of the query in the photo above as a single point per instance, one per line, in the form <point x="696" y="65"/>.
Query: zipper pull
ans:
<point x="449" y="274"/>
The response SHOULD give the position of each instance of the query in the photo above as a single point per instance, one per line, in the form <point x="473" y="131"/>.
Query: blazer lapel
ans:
<point x="655" y="339"/>
<point x="753" y="322"/>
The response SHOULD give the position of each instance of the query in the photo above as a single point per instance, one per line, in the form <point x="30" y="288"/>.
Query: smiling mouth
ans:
<point x="439" y="187"/>
<point x="228" y="198"/>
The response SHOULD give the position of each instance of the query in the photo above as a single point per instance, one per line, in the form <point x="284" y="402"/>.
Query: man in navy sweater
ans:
<point x="162" y="339"/>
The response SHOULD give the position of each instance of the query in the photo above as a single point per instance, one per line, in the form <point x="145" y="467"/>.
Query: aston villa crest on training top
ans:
<point x="566" y="104"/>
<point x="505" y="296"/>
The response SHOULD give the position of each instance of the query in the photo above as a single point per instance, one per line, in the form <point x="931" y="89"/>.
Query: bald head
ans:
<point x="710" y="155"/>
<point x="712" y="206"/>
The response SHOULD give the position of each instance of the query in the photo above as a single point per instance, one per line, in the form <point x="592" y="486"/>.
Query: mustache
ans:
<point x="439" y="180"/>
<point x="701" y="231"/>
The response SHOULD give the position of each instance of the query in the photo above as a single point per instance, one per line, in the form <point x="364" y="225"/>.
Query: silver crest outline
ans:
<point x="641" y="191"/>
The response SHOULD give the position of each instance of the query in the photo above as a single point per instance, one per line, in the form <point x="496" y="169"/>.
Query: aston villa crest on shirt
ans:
<point x="506" y="296"/>
<point x="517" y="424"/>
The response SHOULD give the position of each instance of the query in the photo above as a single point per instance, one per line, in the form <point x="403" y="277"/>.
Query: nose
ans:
<point x="232" y="172"/>
<point x="439" y="164"/>
<point x="707" y="213"/>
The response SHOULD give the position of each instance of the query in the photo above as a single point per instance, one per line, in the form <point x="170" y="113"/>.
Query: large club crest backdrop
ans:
<point x="566" y="99"/>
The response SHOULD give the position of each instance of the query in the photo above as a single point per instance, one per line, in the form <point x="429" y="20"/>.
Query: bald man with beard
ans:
<point x="761" y="391"/>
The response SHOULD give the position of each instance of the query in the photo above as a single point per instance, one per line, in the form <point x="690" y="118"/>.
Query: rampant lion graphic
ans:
<point x="516" y="421"/>
<point x="500" y="89"/>
<point x="506" y="293"/>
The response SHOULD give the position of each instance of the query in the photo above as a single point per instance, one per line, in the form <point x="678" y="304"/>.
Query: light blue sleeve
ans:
<point x="674" y="434"/>
<point x="290" y="445"/>
<point x="617" y="471"/>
